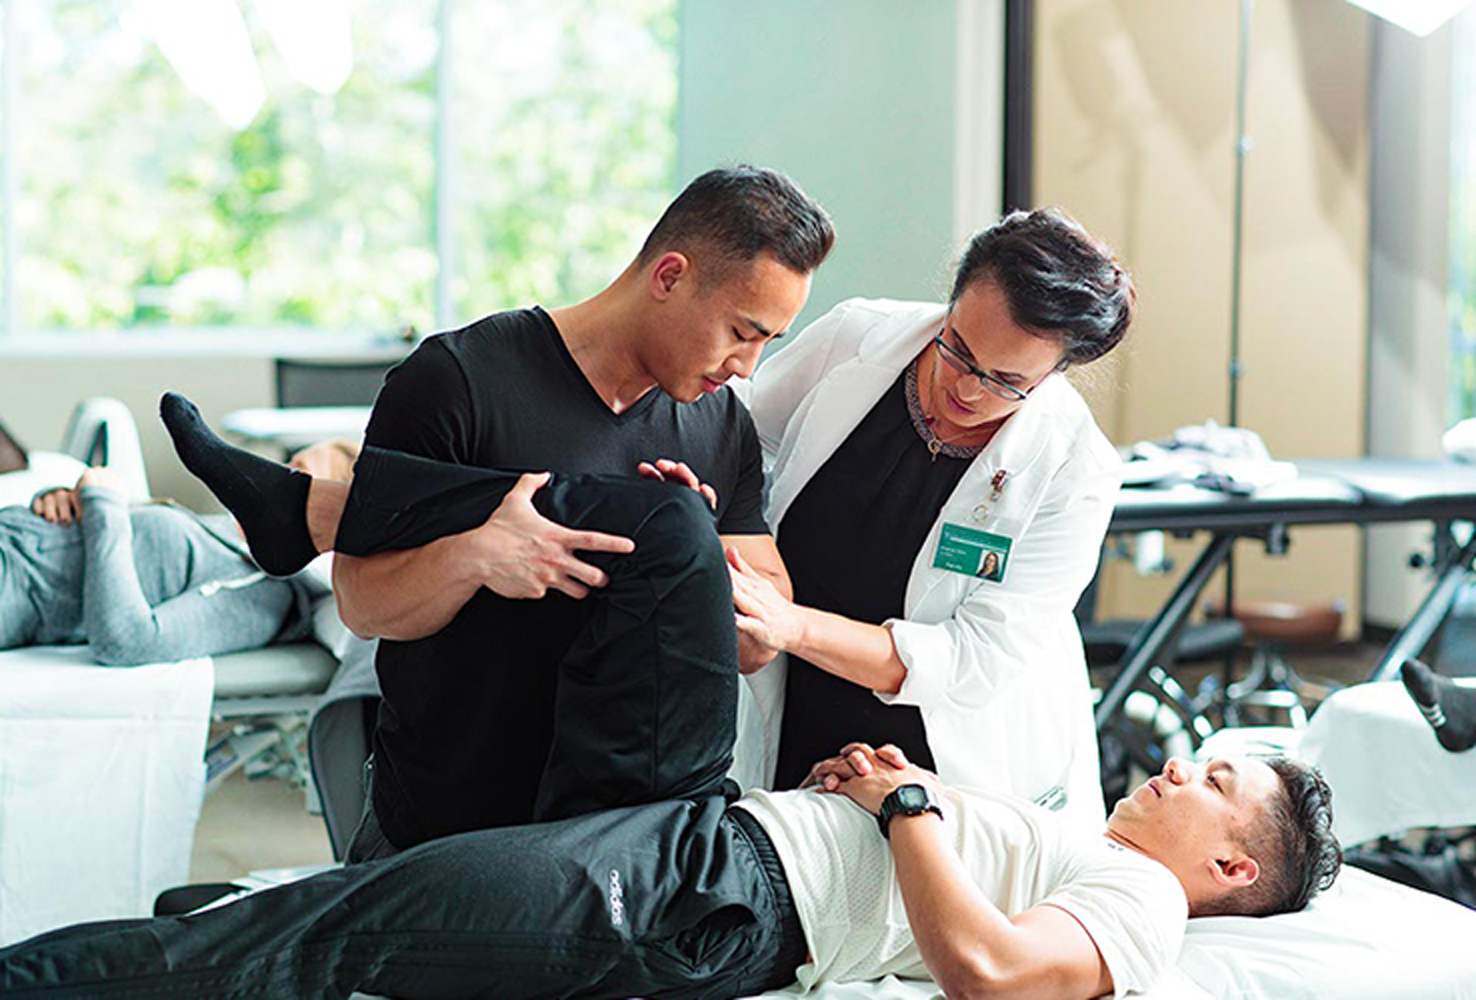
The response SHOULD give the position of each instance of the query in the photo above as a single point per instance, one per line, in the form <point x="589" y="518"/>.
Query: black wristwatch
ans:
<point x="908" y="800"/>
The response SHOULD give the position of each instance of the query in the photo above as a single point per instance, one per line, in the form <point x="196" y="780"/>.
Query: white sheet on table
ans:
<point x="102" y="774"/>
<point x="1366" y="939"/>
<point x="1387" y="772"/>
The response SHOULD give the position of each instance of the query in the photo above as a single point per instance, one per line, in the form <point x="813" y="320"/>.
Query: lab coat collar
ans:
<point x="849" y="391"/>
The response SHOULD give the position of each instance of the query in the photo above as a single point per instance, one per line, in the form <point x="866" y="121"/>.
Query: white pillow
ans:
<point x="1366" y="938"/>
<point x="47" y="469"/>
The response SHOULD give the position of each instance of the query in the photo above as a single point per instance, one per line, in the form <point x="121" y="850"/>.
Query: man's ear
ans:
<point x="1236" y="871"/>
<point x="664" y="275"/>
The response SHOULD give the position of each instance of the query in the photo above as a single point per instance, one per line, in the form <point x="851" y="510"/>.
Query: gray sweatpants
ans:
<point x="138" y="585"/>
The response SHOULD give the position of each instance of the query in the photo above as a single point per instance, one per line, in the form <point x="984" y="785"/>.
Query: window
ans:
<point x="221" y="164"/>
<point x="564" y="144"/>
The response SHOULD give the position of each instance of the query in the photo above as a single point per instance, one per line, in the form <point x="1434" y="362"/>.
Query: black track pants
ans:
<point x="626" y="697"/>
<point x="676" y="899"/>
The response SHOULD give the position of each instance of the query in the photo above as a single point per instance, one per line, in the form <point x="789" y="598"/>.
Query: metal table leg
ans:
<point x="1455" y="570"/>
<point x="1155" y="636"/>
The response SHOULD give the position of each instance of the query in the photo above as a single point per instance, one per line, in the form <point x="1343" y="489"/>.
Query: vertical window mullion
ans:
<point x="445" y="186"/>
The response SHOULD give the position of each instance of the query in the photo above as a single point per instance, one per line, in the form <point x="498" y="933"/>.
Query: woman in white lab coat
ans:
<point x="940" y="492"/>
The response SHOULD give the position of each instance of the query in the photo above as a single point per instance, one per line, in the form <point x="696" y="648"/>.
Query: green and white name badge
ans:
<point x="972" y="552"/>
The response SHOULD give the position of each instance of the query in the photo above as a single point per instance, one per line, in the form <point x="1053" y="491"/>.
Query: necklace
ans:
<point x="924" y="423"/>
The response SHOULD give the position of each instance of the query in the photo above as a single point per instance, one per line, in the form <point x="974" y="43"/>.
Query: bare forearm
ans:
<point x="762" y="556"/>
<point x="860" y="653"/>
<point x="969" y="945"/>
<point x="777" y="574"/>
<point x="952" y="922"/>
<point x="403" y="595"/>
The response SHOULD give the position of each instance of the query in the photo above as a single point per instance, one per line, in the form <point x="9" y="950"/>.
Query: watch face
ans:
<point x="911" y="797"/>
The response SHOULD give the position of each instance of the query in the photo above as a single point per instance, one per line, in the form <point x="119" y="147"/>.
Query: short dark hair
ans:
<point x="731" y="215"/>
<point x="1059" y="280"/>
<point x="1292" y="841"/>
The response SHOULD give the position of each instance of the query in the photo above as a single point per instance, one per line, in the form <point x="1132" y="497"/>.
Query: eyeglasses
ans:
<point x="965" y="368"/>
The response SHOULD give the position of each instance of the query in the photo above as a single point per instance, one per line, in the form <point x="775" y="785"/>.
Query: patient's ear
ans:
<point x="1236" y="871"/>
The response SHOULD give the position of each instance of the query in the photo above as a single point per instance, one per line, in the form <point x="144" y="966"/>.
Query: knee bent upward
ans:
<point x="667" y="522"/>
<point x="678" y="530"/>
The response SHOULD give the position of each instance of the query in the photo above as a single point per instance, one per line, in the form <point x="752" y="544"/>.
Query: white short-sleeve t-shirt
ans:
<point x="845" y="888"/>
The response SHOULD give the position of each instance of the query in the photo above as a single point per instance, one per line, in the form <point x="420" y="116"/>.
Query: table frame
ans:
<point x="1228" y="519"/>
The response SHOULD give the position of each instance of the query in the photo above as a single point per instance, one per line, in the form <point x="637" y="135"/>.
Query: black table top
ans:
<point x="1326" y="491"/>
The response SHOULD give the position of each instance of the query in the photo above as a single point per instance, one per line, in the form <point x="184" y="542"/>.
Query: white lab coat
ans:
<point x="996" y="669"/>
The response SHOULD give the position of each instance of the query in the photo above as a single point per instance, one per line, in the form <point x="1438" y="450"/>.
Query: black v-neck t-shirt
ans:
<point x="849" y="541"/>
<point x="504" y="393"/>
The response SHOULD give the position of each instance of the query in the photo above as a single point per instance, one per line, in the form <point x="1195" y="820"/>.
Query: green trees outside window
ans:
<point x="139" y="207"/>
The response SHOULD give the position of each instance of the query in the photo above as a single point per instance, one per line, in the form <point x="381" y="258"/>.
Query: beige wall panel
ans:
<point x="1134" y="135"/>
<point x="37" y="396"/>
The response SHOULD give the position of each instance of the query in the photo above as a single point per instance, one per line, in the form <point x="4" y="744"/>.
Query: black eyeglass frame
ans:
<point x="993" y="383"/>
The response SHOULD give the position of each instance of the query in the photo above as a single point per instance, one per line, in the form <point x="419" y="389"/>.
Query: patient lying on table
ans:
<point x="142" y="584"/>
<point x="703" y="898"/>
<point x="873" y="869"/>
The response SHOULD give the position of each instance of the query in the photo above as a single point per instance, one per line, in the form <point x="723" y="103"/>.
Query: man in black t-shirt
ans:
<point x="628" y="382"/>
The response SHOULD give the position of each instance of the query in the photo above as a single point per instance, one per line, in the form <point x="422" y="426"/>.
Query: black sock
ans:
<point x="1447" y="706"/>
<point x="268" y="499"/>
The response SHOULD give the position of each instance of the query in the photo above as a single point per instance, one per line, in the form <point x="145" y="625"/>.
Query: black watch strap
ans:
<point x="907" y="800"/>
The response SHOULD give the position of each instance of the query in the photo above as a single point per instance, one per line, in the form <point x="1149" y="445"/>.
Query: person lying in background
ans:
<point x="144" y="583"/>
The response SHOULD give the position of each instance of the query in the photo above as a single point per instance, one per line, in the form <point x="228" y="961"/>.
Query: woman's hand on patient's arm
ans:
<point x="764" y="615"/>
<point x="753" y="655"/>
<point x="855" y="651"/>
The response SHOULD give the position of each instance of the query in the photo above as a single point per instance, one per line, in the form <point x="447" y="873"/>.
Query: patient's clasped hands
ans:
<point x="867" y="776"/>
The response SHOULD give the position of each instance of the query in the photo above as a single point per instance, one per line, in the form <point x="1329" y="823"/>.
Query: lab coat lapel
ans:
<point x="840" y="401"/>
<point x="1015" y="451"/>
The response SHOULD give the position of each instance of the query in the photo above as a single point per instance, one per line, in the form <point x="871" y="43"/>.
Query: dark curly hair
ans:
<point x="1292" y="841"/>
<point x="1059" y="280"/>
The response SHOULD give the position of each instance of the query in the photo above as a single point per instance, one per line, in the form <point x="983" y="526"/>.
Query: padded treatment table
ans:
<point x="1387" y="771"/>
<point x="103" y="769"/>
<point x="1348" y="491"/>
<point x="295" y="427"/>
<point x="1367" y="938"/>
<point x="101" y="779"/>
<point x="289" y="677"/>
